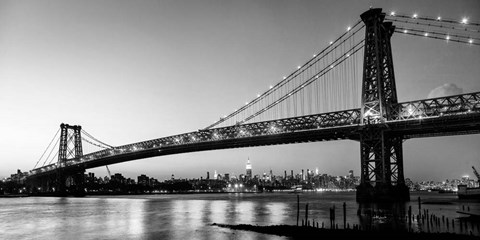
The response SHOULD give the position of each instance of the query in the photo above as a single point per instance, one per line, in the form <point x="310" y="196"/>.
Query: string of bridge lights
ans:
<point x="436" y="23"/>
<point x="463" y="20"/>
<point x="439" y="35"/>
<point x="393" y="16"/>
<point x="332" y="45"/>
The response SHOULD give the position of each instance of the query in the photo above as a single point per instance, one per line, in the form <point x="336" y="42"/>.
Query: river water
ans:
<point x="189" y="216"/>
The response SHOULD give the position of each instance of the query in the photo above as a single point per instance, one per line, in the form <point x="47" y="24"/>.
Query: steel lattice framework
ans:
<point x="380" y="154"/>
<point x="66" y="138"/>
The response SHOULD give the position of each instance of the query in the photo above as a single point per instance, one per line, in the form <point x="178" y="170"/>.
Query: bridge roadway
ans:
<point x="453" y="115"/>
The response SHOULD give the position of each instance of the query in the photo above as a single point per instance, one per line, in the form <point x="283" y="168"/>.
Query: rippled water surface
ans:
<point x="190" y="216"/>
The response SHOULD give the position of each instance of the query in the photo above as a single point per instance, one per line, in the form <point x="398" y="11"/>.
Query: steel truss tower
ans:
<point x="380" y="152"/>
<point x="66" y="138"/>
<point x="69" y="134"/>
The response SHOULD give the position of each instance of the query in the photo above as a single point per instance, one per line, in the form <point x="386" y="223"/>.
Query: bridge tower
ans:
<point x="381" y="152"/>
<point x="70" y="180"/>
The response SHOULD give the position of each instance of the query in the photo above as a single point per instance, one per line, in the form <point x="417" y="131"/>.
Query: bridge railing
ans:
<point x="437" y="107"/>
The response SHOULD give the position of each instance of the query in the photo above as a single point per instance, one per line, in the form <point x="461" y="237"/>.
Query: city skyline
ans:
<point x="119" y="70"/>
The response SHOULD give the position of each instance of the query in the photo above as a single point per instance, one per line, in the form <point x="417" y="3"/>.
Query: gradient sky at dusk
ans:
<point x="128" y="71"/>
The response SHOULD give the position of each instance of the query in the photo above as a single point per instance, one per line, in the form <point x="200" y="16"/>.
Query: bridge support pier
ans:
<point x="71" y="183"/>
<point x="381" y="167"/>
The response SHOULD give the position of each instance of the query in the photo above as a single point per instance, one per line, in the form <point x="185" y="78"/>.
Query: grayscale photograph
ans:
<point x="239" y="119"/>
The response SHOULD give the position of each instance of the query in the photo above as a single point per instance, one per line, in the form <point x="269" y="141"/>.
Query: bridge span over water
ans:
<point x="317" y="102"/>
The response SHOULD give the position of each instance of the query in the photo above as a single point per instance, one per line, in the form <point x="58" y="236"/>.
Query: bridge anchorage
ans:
<point x="63" y="179"/>
<point x="377" y="120"/>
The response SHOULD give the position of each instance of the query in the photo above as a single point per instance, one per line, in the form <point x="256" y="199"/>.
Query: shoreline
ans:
<point x="304" y="232"/>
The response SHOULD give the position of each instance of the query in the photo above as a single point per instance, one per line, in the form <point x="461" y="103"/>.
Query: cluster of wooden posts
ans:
<point x="333" y="225"/>
<point x="426" y="222"/>
<point x="430" y="222"/>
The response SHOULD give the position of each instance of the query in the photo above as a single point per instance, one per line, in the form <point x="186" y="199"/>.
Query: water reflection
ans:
<point x="276" y="213"/>
<point x="382" y="216"/>
<point x="244" y="212"/>
<point x="191" y="216"/>
<point x="219" y="211"/>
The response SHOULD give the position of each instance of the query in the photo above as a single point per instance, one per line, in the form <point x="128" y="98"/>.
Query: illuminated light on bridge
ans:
<point x="464" y="20"/>
<point x="447" y="37"/>
<point x="392" y="13"/>
<point x="470" y="40"/>
<point x="426" y="34"/>
<point x="439" y="18"/>
<point x="349" y="28"/>
<point x="415" y="15"/>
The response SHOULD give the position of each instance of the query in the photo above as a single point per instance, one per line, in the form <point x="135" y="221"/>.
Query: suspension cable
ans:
<point x="92" y="137"/>
<point x="327" y="69"/>
<point x="431" y="19"/>
<point x="46" y="159"/>
<point x="47" y="148"/>
<point x="316" y="58"/>
<point x="438" y="35"/>
<point x="53" y="158"/>
<point x="94" y="144"/>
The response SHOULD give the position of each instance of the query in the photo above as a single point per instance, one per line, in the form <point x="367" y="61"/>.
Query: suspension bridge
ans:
<point x="345" y="91"/>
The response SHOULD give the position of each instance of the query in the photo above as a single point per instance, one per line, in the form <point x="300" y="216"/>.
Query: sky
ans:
<point x="128" y="71"/>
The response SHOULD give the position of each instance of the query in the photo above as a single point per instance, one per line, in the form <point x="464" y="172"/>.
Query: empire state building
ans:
<point x="249" y="169"/>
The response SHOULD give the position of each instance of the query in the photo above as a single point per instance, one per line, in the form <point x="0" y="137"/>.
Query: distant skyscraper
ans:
<point x="215" y="175"/>
<point x="350" y="173"/>
<point x="316" y="171"/>
<point x="249" y="169"/>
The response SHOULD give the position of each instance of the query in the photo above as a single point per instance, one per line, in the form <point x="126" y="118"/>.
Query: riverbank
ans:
<point x="297" y="232"/>
<point x="13" y="195"/>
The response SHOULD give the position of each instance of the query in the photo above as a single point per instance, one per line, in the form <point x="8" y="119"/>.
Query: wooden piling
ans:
<point x="306" y="213"/>
<point x="419" y="205"/>
<point x="344" y="215"/>
<point x="298" y="208"/>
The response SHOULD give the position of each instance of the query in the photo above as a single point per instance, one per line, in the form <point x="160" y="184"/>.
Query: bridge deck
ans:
<point x="452" y="115"/>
